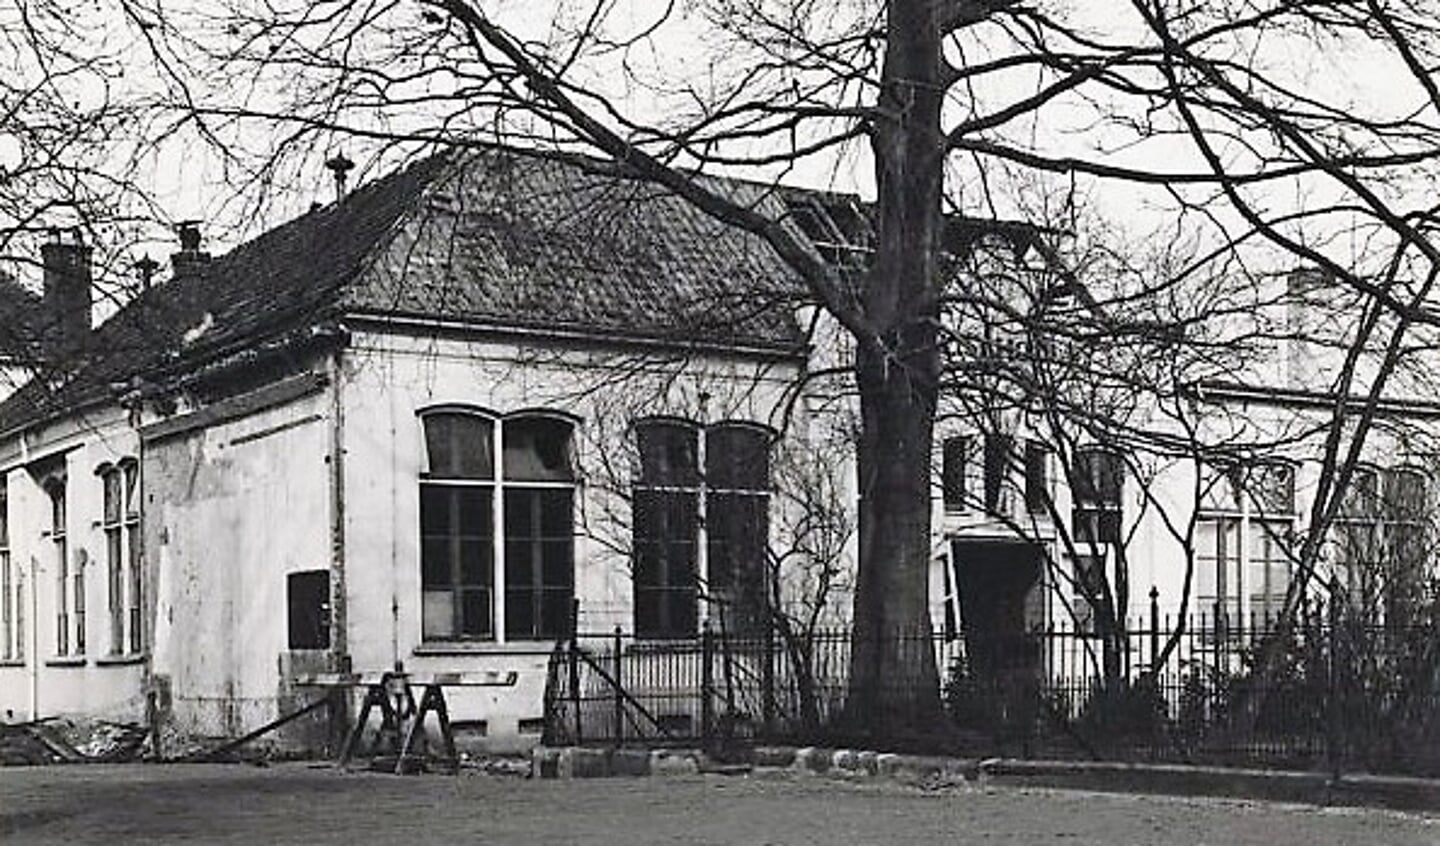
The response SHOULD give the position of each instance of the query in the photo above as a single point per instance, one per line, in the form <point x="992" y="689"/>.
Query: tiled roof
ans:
<point x="492" y="237"/>
<point x="20" y="316"/>
<point x="561" y="243"/>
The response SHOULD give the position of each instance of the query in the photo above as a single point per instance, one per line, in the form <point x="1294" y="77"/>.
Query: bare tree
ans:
<point x="950" y="106"/>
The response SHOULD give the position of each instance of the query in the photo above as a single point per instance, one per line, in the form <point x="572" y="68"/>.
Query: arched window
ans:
<point x="539" y="491"/>
<point x="737" y="522"/>
<point x="457" y="527"/>
<point x="11" y="643"/>
<point x="665" y="523"/>
<point x="475" y="514"/>
<point x="671" y="495"/>
<point x="120" y="521"/>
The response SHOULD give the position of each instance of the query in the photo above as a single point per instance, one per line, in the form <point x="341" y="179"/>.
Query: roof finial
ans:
<point x="341" y="167"/>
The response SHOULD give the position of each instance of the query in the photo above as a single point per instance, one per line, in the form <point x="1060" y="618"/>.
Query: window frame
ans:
<point x="120" y="525"/>
<point x="1097" y="515"/>
<point x="12" y="643"/>
<point x="501" y="588"/>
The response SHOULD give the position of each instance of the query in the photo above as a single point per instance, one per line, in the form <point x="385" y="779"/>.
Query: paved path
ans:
<point x="301" y="804"/>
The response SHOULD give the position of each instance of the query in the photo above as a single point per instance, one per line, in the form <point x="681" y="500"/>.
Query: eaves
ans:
<point x="1303" y="399"/>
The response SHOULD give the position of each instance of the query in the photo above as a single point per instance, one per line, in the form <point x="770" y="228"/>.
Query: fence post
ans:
<point x="707" y="680"/>
<point x="1155" y="633"/>
<point x="767" y="679"/>
<point x="619" y="645"/>
<point x="574" y="661"/>
<point x="1333" y="745"/>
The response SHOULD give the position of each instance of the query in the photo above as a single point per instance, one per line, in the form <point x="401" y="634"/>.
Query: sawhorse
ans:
<point x="402" y="720"/>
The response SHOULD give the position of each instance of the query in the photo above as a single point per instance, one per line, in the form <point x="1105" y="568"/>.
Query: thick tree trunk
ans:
<point x="894" y="686"/>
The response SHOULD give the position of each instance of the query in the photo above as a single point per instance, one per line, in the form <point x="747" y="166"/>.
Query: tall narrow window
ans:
<point x="665" y="524"/>
<point x="1037" y="478"/>
<point x="953" y="453"/>
<point x="136" y="593"/>
<point x="9" y="632"/>
<point x="737" y="523"/>
<point x="1357" y="539"/>
<point x="539" y="479"/>
<point x="999" y="454"/>
<point x="1405" y="547"/>
<point x="1096" y="486"/>
<point x="457" y="528"/>
<point x="1270" y="514"/>
<point x="120" y="522"/>
<point x="113" y="523"/>
<point x="69" y="581"/>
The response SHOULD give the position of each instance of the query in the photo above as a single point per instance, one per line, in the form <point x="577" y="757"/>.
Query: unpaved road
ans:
<point x="307" y="804"/>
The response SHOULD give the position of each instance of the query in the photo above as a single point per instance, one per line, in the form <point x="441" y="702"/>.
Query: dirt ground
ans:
<point x="313" y="804"/>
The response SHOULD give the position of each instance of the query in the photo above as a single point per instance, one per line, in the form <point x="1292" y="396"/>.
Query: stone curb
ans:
<point x="936" y="771"/>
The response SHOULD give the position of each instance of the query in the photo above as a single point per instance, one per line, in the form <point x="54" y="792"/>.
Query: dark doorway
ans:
<point x="1000" y="601"/>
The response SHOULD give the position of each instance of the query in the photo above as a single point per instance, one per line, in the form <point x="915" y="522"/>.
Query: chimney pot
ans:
<point x="190" y="260"/>
<point x="66" y="298"/>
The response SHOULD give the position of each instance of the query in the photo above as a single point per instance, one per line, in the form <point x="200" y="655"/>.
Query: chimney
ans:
<point x="340" y="167"/>
<point x="67" y="291"/>
<point x="191" y="260"/>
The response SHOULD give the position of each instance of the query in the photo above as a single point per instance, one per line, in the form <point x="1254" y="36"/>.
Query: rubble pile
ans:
<point x="61" y="741"/>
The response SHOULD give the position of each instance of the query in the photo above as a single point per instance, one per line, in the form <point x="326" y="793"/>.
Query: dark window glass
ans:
<point x="459" y="446"/>
<point x="737" y="457"/>
<point x="1404" y="494"/>
<point x="539" y="562"/>
<point x="537" y="449"/>
<point x="668" y="453"/>
<point x="1037" y="477"/>
<point x="998" y="451"/>
<point x="456" y="570"/>
<point x="1098" y="476"/>
<point x="308" y="603"/>
<point x="665" y="526"/>
<point x="953" y="453"/>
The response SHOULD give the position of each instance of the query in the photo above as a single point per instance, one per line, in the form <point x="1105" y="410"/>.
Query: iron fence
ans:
<point x="1338" y="693"/>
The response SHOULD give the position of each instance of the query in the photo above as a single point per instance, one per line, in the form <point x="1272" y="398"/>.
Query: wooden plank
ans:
<point x="489" y="678"/>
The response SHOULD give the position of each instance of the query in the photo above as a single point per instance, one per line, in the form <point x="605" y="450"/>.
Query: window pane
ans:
<point x="668" y="451"/>
<point x="557" y="518"/>
<point x="1271" y="488"/>
<point x="519" y="562"/>
<point x="1098" y="476"/>
<point x="1037" y="478"/>
<point x="475" y="561"/>
<point x="952" y="471"/>
<point x="1361" y="497"/>
<point x="438" y="614"/>
<point x="132" y="481"/>
<point x="436" y="568"/>
<point x="475" y="613"/>
<point x="459" y="446"/>
<point x="998" y="450"/>
<point x="558" y="563"/>
<point x="737" y="457"/>
<point x="111" y="481"/>
<point x="538" y="449"/>
<point x="520" y="618"/>
<point x="1404" y="495"/>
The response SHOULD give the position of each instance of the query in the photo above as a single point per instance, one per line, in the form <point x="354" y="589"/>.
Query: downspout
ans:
<point x="338" y="595"/>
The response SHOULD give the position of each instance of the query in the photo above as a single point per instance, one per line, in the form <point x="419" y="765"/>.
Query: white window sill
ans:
<point x="121" y="660"/>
